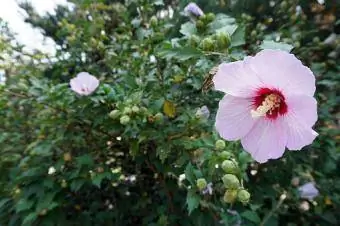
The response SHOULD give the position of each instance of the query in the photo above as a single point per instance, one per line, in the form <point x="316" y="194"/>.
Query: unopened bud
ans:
<point x="230" y="181"/>
<point x="114" y="114"/>
<point x="210" y="17"/>
<point x="193" y="41"/>
<point x="135" y="109"/>
<point x="67" y="157"/>
<point x="220" y="145"/>
<point x="201" y="183"/>
<point x="223" y="40"/>
<point x="225" y="155"/>
<point x="208" y="44"/>
<point x="199" y="24"/>
<point x="63" y="184"/>
<point x="153" y="21"/>
<point x="243" y="196"/>
<point x="159" y="117"/>
<point x="124" y="120"/>
<point x="229" y="166"/>
<point x="230" y="196"/>
<point x="127" y="110"/>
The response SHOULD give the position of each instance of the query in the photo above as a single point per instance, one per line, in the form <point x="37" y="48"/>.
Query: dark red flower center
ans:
<point x="269" y="102"/>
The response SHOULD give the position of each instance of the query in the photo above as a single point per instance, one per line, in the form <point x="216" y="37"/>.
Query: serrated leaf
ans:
<point x="251" y="216"/>
<point x="269" y="44"/>
<point x="188" y="29"/>
<point x="169" y="109"/>
<point x="193" y="201"/>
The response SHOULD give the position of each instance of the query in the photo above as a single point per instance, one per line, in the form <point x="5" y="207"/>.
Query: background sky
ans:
<point x="25" y="34"/>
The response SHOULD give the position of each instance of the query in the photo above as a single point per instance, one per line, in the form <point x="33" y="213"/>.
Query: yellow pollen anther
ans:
<point x="269" y="104"/>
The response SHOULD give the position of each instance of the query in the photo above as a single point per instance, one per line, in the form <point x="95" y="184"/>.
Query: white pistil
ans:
<point x="271" y="102"/>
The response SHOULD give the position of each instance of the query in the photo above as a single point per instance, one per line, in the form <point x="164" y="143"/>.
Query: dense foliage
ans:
<point x="119" y="155"/>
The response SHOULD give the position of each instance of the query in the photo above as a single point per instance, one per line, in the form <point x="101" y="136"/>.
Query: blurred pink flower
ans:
<point x="84" y="84"/>
<point x="193" y="8"/>
<point x="269" y="104"/>
<point x="308" y="191"/>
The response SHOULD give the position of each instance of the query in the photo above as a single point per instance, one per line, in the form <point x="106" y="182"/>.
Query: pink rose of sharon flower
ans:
<point x="269" y="104"/>
<point x="84" y="84"/>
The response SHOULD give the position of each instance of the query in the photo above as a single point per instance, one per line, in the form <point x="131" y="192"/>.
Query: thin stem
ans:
<point x="268" y="216"/>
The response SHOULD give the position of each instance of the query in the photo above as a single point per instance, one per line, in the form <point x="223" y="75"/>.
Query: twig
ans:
<point x="268" y="216"/>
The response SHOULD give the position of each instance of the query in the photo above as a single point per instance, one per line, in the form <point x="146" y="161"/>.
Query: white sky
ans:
<point x="25" y="34"/>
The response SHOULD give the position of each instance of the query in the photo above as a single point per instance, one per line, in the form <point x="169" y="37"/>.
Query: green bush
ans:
<point x="142" y="148"/>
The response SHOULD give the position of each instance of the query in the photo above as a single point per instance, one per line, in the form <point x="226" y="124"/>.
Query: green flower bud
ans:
<point x="208" y="44"/>
<point x="159" y="117"/>
<point x="283" y="5"/>
<point x="127" y="110"/>
<point x="199" y="24"/>
<point x="210" y="17"/>
<point x="144" y="110"/>
<point x="193" y="40"/>
<point x="230" y="196"/>
<point x="253" y="33"/>
<point x="230" y="181"/>
<point x="63" y="184"/>
<point x="201" y="183"/>
<point x="243" y="196"/>
<point x="124" y="120"/>
<point x="153" y="21"/>
<point x="223" y="40"/>
<point x="220" y="145"/>
<point x="135" y="109"/>
<point x="316" y="39"/>
<point x="229" y="166"/>
<point x="203" y="18"/>
<point x="225" y="155"/>
<point x="114" y="114"/>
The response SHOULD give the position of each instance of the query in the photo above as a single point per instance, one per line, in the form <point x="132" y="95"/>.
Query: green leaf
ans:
<point x="229" y="29"/>
<point x="77" y="184"/>
<point x="251" y="216"/>
<point x="193" y="201"/>
<point x="188" y="29"/>
<point x="29" y="219"/>
<point x="189" y="173"/>
<point x="181" y="54"/>
<point x="98" y="178"/>
<point x="23" y="204"/>
<point x="221" y="22"/>
<point x="237" y="38"/>
<point x="4" y="201"/>
<point x="45" y="201"/>
<point x="269" y="44"/>
<point x="85" y="160"/>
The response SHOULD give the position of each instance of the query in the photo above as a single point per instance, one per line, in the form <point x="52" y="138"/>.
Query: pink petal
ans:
<point x="283" y="71"/>
<point x="266" y="140"/>
<point x="75" y="85"/>
<point x="236" y="79"/>
<point x="303" y="108"/>
<point x="233" y="118"/>
<point x="299" y="135"/>
<point x="84" y="83"/>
